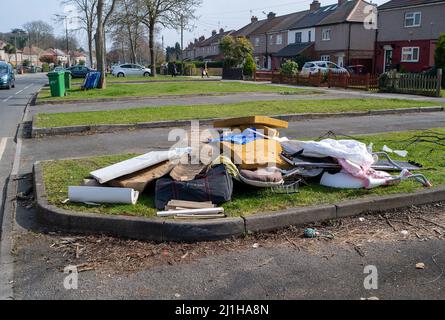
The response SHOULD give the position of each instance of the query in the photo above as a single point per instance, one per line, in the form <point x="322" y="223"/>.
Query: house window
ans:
<point x="410" y="54"/>
<point x="279" y="39"/>
<point x="325" y="58"/>
<point x="257" y="42"/>
<point x="309" y="36"/>
<point x="298" y="37"/>
<point x="413" y="19"/>
<point x="326" y="35"/>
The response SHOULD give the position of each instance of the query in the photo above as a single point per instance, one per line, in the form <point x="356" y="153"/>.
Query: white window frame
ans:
<point x="257" y="42"/>
<point x="326" y="34"/>
<point x="412" y="16"/>
<point x="409" y="51"/>
<point x="279" y="39"/>
<point x="325" y="58"/>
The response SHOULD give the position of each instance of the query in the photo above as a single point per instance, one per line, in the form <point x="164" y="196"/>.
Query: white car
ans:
<point x="129" y="70"/>
<point x="324" y="66"/>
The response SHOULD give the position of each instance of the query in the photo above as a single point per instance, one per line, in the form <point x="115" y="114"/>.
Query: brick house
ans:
<point x="408" y="34"/>
<point x="335" y="32"/>
<point x="206" y="49"/>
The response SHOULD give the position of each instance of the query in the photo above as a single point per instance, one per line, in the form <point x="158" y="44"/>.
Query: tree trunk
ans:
<point x="100" y="44"/>
<point x="90" y="46"/>
<point x="151" y="41"/>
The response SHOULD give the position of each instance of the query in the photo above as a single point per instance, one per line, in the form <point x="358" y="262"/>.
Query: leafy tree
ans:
<point x="249" y="66"/>
<point x="440" y="52"/>
<point x="235" y="51"/>
<point x="289" y="68"/>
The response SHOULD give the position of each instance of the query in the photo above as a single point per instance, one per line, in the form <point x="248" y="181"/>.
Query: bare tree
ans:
<point x="169" y="14"/>
<point x="87" y="17"/>
<point x="126" y="17"/>
<point x="104" y="10"/>
<point x="40" y="33"/>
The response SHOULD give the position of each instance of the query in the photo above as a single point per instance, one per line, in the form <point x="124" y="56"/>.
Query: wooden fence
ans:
<point x="313" y="80"/>
<point x="367" y="82"/>
<point x="409" y="83"/>
<point x="413" y="83"/>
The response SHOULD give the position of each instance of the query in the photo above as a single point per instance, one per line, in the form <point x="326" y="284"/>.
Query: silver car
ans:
<point x="324" y="66"/>
<point x="129" y="70"/>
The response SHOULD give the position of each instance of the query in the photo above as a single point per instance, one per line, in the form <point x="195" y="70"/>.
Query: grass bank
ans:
<point x="59" y="175"/>
<point x="151" y="114"/>
<point x="119" y="90"/>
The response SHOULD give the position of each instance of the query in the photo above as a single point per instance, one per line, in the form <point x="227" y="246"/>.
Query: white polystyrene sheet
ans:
<point x="136" y="164"/>
<point x="341" y="180"/>
<point x="103" y="195"/>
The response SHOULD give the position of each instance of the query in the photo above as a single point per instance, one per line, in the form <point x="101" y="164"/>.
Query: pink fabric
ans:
<point x="371" y="178"/>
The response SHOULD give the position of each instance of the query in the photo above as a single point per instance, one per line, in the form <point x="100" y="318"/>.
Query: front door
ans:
<point x="341" y="61"/>
<point x="388" y="60"/>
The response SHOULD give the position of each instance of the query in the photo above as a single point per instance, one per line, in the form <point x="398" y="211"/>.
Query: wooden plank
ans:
<point x="190" y="204"/>
<point x="253" y="120"/>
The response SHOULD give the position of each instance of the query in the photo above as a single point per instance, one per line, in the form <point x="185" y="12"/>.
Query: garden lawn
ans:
<point x="59" y="175"/>
<point x="155" y="89"/>
<point x="151" y="114"/>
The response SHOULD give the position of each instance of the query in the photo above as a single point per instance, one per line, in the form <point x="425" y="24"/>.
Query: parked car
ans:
<point x="7" y="76"/>
<point x="79" y="71"/>
<point x="128" y="70"/>
<point x="324" y="66"/>
<point x="357" y="69"/>
<point x="59" y="69"/>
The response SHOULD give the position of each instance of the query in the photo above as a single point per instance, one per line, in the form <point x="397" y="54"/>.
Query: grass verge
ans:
<point x="58" y="175"/>
<point x="151" y="114"/>
<point x="117" y="90"/>
<point x="112" y="79"/>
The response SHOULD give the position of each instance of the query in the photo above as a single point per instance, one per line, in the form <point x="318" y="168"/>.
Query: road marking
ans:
<point x="7" y="99"/>
<point x="28" y="87"/>
<point x="18" y="153"/>
<point x="18" y="92"/>
<point x="3" y="147"/>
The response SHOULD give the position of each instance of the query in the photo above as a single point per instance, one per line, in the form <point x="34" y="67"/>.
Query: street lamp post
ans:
<point x="65" y="17"/>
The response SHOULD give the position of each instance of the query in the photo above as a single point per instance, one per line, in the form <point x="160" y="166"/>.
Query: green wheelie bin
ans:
<point x="68" y="78"/>
<point x="57" y="83"/>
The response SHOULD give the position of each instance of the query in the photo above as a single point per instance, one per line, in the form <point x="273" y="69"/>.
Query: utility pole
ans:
<point x="182" y="44"/>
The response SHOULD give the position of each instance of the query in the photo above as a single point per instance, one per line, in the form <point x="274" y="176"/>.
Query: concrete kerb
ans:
<point x="152" y="229"/>
<point x="160" y="230"/>
<point x="54" y="131"/>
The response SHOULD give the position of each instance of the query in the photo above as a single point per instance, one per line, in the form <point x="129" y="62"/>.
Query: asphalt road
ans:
<point x="12" y="106"/>
<point x="278" y="272"/>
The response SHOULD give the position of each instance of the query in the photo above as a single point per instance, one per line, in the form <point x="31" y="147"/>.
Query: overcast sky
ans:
<point x="213" y="14"/>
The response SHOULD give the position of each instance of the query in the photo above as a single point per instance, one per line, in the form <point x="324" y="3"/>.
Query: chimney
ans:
<point x="214" y="33"/>
<point x="254" y="19"/>
<point x="221" y="31"/>
<point x="341" y="2"/>
<point x="196" y="40"/>
<point x="271" y="15"/>
<point x="315" y="5"/>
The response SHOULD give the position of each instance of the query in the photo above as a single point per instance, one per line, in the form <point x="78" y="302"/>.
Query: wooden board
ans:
<point x="251" y="121"/>
<point x="190" y="204"/>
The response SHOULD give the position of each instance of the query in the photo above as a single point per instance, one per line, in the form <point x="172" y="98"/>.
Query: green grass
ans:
<point x="151" y="114"/>
<point x="112" y="79"/>
<point x="116" y="90"/>
<point x="246" y="201"/>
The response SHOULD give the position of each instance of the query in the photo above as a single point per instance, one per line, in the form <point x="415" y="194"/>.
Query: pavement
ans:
<point x="12" y="106"/>
<point x="279" y="271"/>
